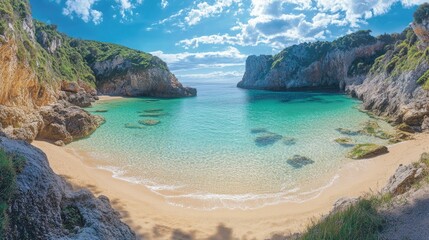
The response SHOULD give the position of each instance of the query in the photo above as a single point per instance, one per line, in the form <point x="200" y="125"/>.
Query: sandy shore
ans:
<point x="108" y="98"/>
<point x="150" y="216"/>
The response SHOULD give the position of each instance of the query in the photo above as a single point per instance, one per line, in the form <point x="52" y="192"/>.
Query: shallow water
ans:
<point x="228" y="147"/>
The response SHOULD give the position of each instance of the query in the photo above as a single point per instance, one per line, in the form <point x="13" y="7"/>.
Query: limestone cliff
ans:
<point x="313" y="65"/>
<point x="44" y="206"/>
<point x="40" y="66"/>
<point x="390" y="73"/>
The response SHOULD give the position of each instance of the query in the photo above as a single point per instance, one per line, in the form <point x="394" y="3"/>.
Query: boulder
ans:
<point x="72" y="87"/>
<point x="149" y="122"/>
<point x="267" y="139"/>
<point x="403" y="178"/>
<point x="343" y="203"/>
<point x="67" y="123"/>
<point x="38" y="209"/>
<point x="367" y="150"/>
<point x="298" y="161"/>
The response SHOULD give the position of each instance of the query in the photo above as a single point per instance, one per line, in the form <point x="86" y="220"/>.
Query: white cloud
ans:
<point x="126" y="7"/>
<point x="184" y="61"/>
<point x="205" y="10"/>
<point x="278" y="23"/>
<point x="84" y="10"/>
<point x="164" y="3"/>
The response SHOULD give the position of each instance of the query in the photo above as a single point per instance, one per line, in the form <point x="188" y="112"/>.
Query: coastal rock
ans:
<point x="425" y="124"/>
<point x="119" y="76"/>
<point x="309" y="65"/>
<point x="405" y="128"/>
<point x="37" y="207"/>
<point x="345" y="141"/>
<point x="342" y="204"/>
<point x="17" y="123"/>
<point x="298" y="161"/>
<point x="368" y="150"/>
<point x="402" y="180"/>
<point x="149" y="122"/>
<point x="267" y="139"/>
<point x="67" y="123"/>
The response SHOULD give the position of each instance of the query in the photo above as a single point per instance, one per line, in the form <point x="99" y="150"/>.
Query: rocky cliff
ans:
<point x="389" y="72"/>
<point x="44" y="73"/>
<point x="44" y="206"/>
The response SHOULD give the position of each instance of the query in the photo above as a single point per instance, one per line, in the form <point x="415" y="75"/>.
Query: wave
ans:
<point x="213" y="201"/>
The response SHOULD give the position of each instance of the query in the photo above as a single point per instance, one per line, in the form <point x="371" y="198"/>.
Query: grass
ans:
<point x="359" y="221"/>
<point x="10" y="165"/>
<point x="366" y="150"/>
<point x="71" y="218"/>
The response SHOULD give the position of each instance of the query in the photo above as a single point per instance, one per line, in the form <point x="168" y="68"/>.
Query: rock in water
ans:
<point x="149" y="122"/>
<point x="345" y="141"/>
<point x="298" y="161"/>
<point x="267" y="139"/>
<point x="38" y="206"/>
<point x="367" y="150"/>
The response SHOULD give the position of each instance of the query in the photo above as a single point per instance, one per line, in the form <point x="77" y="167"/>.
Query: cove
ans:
<point x="227" y="147"/>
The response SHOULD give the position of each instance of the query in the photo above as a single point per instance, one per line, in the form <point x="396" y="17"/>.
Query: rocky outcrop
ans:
<point x="65" y="122"/>
<point x="310" y="65"/>
<point x="403" y="178"/>
<point x="119" y="76"/>
<point x="44" y="206"/>
<point x="57" y="122"/>
<point x="390" y="73"/>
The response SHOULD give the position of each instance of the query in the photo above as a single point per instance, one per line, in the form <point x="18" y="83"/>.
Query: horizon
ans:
<point x="176" y="31"/>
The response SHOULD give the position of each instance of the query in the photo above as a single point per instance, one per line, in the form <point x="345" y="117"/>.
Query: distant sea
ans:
<point x="227" y="147"/>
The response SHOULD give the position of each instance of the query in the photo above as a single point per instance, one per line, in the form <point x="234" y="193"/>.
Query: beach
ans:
<point x="152" y="217"/>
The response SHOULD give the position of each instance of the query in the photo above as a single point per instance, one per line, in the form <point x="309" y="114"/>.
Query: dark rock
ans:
<point x="288" y="141"/>
<point x="36" y="208"/>
<point x="348" y="132"/>
<point x="258" y="130"/>
<point x="298" y="161"/>
<point x="267" y="139"/>
<point x="133" y="126"/>
<point x="149" y="122"/>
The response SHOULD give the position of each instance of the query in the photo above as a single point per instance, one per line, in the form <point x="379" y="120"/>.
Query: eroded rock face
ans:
<point x="67" y="123"/>
<point x="298" y="70"/>
<point x="422" y="31"/>
<point x="403" y="178"/>
<point x="119" y="77"/>
<point x="37" y="208"/>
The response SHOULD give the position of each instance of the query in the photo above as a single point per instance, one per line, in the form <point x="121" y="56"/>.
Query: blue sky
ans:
<point x="205" y="40"/>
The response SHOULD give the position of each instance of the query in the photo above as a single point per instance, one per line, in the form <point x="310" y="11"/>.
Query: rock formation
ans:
<point x="44" y="206"/>
<point x="40" y="67"/>
<point x="389" y="73"/>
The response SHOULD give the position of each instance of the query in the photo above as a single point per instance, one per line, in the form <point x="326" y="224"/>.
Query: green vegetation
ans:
<point x="72" y="218"/>
<point x="366" y="150"/>
<point x="359" y="221"/>
<point x="316" y="50"/>
<point x="344" y="141"/>
<point x="10" y="165"/>
<point x="421" y="13"/>
<point x="371" y="128"/>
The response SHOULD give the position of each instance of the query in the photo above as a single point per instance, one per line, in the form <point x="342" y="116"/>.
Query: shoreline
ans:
<point x="150" y="215"/>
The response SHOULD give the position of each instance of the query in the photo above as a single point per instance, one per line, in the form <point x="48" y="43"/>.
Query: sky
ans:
<point x="209" y="40"/>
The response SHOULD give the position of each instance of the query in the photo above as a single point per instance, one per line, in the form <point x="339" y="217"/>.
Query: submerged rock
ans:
<point x="156" y="110"/>
<point x="133" y="126"/>
<point x="348" y="132"/>
<point x="367" y="150"/>
<point x="152" y="114"/>
<point x="149" y="122"/>
<point x="267" y="139"/>
<point x="298" y="161"/>
<point x="371" y="128"/>
<point x="288" y="141"/>
<point x="258" y="130"/>
<point x="101" y="110"/>
<point x="345" y="141"/>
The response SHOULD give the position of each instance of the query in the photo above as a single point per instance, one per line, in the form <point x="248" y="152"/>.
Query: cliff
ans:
<point x="46" y="74"/>
<point x="389" y="73"/>
<point x="43" y="206"/>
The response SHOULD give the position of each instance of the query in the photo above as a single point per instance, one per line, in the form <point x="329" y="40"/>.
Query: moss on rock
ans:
<point x="367" y="150"/>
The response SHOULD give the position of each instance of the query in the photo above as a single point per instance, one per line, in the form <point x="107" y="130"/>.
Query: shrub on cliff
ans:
<point x="9" y="167"/>
<point x="421" y="13"/>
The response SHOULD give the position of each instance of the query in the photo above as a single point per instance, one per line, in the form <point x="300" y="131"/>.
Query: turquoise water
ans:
<point x="204" y="152"/>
